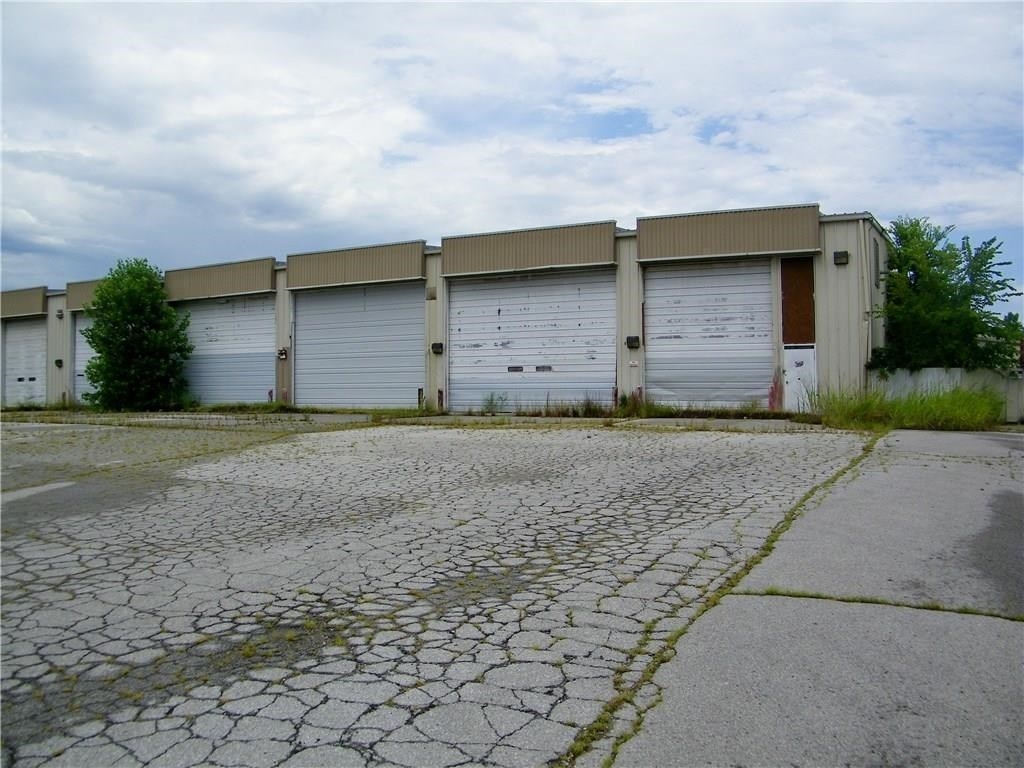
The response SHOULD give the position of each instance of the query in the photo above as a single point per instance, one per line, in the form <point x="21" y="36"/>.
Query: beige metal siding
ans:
<point x="437" y="332"/>
<point x="23" y="302"/>
<point x="842" y="317"/>
<point x="283" y="335"/>
<point x="373" y="264"/>
<point x="59" y="328"/>
<point x="729" y="233"/>
<point x="80" y="294"/>
<point x="879" y="268"/>
<point x="256" y="276"/>
<point x="578" y="245"/>
<point x="629" y="304"/>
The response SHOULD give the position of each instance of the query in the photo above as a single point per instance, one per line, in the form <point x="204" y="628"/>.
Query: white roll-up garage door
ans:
<point x="360" y="345"/>
<point x="708" y="330"/>
<point x="24" y="361"/>
<point x="83" y="353"/>
<point x="531" y="340"/>
<point x="234" y="359"/>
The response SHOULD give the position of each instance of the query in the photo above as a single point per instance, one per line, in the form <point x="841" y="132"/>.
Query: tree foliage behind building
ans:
<point x="939" y="303"/>
<point x="140" y="343"/>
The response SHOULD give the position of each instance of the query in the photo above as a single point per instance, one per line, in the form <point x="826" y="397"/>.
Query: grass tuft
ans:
<point x="954" y="409"/>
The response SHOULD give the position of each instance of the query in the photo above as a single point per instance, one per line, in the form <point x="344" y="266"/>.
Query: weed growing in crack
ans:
<point x="602" y="726"/>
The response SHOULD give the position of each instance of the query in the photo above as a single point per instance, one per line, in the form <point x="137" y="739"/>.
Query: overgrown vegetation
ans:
<point x="275" y="406"/>
<point x="628" y="407"/>
<point x="954" y="409"/>
<point x="141" y="343"/>
<point x="636" y="407"/>
<point x="939" y="299"/>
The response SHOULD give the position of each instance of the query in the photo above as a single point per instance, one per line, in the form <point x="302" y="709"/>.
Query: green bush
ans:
<point x="141" y="344"/>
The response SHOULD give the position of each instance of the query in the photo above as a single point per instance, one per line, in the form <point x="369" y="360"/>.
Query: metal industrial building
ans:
<point x="727" y="308"/>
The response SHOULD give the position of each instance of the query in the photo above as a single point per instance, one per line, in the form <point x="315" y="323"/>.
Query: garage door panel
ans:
<point x="234" y="359"/>
<point x="24" y="359"/>
<point x="709" y="335"/>
<point x="230" y="378"/>
<point x="532" y="339"/>
<point x="360" y="346"/>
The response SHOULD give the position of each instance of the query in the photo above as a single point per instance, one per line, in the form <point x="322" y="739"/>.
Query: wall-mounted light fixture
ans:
<point x="632" y="342"/>
<point x="840" y="258"/>
<point x="60" y="314"/>
<point x="437" y="347"/>
<point x="59" y="362"/>
<point x="282" y="353"/>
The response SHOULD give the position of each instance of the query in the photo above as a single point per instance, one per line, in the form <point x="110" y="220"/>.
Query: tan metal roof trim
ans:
<point x="347" y="266"/>
<point x="828" y="218"/>
<point x="24" y="302"/>
<point x="81" y="293"/>
<point x="790" y="229"/>
<point x="236" y="278"/>
<point x="527" y="249"/>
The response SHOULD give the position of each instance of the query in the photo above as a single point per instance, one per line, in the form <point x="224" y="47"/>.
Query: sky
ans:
<point x="198" y="133"/>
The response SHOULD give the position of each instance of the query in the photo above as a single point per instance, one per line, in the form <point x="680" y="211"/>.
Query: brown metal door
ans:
<point x="798" y="301"/>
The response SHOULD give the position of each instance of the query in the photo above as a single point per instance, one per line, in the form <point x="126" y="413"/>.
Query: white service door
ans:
<point x="709" y="338"/>
<point x="531" y="340"/>
<point x="24" y="358"/>
<point x="800" y="376"/>
<point x="360" y="346"/>
<point x="235" y="359"/>
<point x="82" y="354"/>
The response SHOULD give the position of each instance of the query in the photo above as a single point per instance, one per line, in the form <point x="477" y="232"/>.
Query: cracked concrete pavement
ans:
<point x="397" y="595"/>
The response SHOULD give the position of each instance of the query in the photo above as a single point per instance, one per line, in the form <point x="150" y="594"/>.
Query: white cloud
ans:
<point x="196" y="132"/>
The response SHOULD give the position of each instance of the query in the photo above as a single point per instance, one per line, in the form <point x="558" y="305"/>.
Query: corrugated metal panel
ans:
<point x="437" y="332"/>
<point x="283" y="334"/>
<point x="59" y="330"/>
<point x="578" y="245"/>
<point x="23" y="302"/>
<point x="879" y="266"/>
<point x="629" y="314"/>
<point x="709" y="333"/>
<point x="730" y="233"/>
<point x="24" y="358"/>
<point x="842" y="322"/>
<point x="373" y="264"/>
<point x="532" y="340"/>
<point x="360" y="346"/>
<point x="80" y="294"/>
<point x="234" y="360"/>
<point x="241" y="277"/>
<point x="83" y="353"/>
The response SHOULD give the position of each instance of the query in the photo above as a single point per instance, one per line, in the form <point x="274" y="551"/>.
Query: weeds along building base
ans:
<point x="721" y="309"/>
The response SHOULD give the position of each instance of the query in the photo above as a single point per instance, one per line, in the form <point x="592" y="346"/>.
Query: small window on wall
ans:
<point x="877" y="262"/>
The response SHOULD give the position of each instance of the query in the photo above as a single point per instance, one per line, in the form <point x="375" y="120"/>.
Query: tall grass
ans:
<point x="953" y="409"/>
<point x="635" y="407"/>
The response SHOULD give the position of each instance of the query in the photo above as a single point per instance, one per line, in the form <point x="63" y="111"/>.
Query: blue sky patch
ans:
<point x="601" y="126"/>
<point x="714" y="127"/>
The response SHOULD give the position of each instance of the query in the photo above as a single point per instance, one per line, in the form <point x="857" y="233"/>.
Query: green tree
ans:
<point x="141" y="343"/>
<point x="939" y="298"/>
